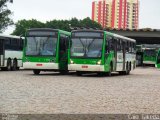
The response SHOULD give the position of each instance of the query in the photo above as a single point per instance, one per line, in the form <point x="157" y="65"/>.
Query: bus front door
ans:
<point x="158" y="60"/>
<point x="1" y="51"/>
<point x="63" y="66"/>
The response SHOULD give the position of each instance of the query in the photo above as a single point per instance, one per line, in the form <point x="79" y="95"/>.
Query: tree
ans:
<point x="87" y="22"/>
<point x="5" y="15"/>
<point x="23" y="25"/>
<point x="58" y="24"/>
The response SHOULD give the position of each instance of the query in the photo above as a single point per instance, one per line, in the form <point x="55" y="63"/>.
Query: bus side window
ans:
<point x="14" y="44"/>
<point x="158" y="57"/>
<point x="63" y="43"/>
<point x="124" y="45"/>
<point x="134" y="48"/>
<point x="121" y="45"/>
<point x="67" y="42"/>
<point x="118" y="45"/>
<point x="7" y="43"/>
<point x="1" y="46"/>
<point x="130" y="47"/>
<point x="127" y="46"/>
<point x="112" y="47"/>
<point x="21" y="44"/>
<point x="110" y="44"/>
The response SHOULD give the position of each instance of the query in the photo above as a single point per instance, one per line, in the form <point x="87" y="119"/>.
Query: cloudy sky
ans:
<point x="45" y="10"/>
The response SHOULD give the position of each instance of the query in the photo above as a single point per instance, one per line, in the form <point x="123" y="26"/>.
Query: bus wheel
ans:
<point x="79" y="73"/>
<point x="36" y="72"/>
<point x="109" y="73"/>
<point x="14" y="68"/>
<point x="9" y="66"/>
<point x="128" y="69"/>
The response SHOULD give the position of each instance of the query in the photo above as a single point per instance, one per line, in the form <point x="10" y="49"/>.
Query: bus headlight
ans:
<point x="99" y="62"/>
<point x="72" y="62"/>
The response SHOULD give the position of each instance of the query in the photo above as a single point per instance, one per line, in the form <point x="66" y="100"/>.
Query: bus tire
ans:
<point x="17" y="68"/>
<point x="109" y="73"/>
<point x="130" y="66"/>
<point x="79" y="73"/>
<point x="36" y="72"/>
<point x="14" y="68"/>
<point x="9" y="65"/>
<point x="128" y="69"/>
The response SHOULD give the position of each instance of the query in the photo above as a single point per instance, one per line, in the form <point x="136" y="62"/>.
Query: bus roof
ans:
<point x="109" y="33"/>
<point x="49" y="29"/>
<point x="122" y="37"/>
<point x="150" y="45"/>
<point x="42" y="29"/>
<point x="9" y="36"/>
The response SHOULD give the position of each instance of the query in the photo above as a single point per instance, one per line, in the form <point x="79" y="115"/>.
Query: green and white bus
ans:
<point x="101" y="52"/>
<point x="11" y="51"/>
<point x="147" y="54"/>
<point x="46" y="50"/>
<point x="158" y="59"/>
<point x="139" y="55"/>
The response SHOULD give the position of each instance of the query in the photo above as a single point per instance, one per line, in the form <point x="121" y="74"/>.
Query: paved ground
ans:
<point x="23" y="92"/>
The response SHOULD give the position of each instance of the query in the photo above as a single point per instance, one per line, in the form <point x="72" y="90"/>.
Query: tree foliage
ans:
<point x="4" y="15"/>
<point x="23" y="25"/>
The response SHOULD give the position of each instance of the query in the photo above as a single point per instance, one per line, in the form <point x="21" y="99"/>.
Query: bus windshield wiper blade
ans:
<point x="91" y="43"/>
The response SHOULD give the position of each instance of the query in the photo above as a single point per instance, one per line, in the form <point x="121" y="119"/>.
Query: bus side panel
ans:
<point x="119" y="61"/>
<point x="110" y="58"/>
<point x="12" y="55"/>
<point x="130" y="57"/>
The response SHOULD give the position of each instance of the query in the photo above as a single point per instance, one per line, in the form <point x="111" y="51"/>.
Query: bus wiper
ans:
<point x="35" y="42"/>
<point x="81" y="42"/>
<point x="84" y="47"/>
<point x="91" y="43"/>
<point x="46" y="42"/>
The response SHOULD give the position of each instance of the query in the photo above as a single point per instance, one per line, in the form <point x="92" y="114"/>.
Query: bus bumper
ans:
<point x="89" y="68"/>
<point x="41" y="66"/>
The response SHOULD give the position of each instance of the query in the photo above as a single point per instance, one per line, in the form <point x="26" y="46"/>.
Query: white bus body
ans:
<point x="11" y="48"/>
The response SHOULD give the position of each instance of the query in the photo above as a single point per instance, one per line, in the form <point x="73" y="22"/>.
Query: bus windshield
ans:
<point x="86" y="47"/>
<point x="44" y="46"/>
<point x="150" y="52"/>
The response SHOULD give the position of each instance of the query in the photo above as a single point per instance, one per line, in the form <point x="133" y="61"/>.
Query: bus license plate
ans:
<point x="39" y="64"/>
<point x="84" y="66"/>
